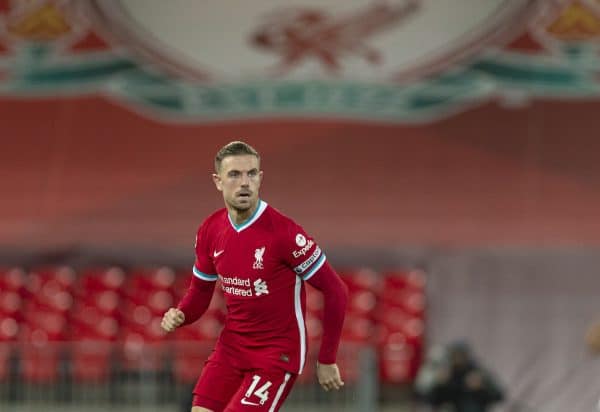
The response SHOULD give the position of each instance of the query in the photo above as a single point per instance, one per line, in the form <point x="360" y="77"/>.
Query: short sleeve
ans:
<point x="301" y="252"/>
<point x="203" y="266"/>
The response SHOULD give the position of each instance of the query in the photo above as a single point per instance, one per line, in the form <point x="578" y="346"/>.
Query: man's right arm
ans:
<point x="191" y="307"/>
<point x="197" y="298"/>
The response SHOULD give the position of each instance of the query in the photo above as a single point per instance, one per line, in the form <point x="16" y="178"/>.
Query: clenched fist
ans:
<point x="172" y="319"/>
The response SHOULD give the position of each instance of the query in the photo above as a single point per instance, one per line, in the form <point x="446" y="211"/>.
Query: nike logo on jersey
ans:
<point x="245" y="402"/>
<point x="216" y="254"/>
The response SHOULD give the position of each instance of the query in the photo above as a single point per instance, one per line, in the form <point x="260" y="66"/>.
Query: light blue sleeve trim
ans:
<point x="315" y="268"/>
<point x="204" y="276"/>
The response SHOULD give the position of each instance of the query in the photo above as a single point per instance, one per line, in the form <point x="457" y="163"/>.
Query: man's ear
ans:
<point x="217" y="180"/>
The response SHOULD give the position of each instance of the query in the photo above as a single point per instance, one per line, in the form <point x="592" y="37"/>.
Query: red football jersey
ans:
<point x="261" y="266"/>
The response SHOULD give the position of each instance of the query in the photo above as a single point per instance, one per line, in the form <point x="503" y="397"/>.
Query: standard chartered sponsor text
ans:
<point x="235" y="281"/>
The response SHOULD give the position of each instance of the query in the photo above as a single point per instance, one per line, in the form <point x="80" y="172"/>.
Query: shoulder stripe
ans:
<point x="315" y="267"/>
<point x="204" y="276"/>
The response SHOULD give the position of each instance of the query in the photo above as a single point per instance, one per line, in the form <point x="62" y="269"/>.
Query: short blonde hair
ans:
<point x="234" y="148"/>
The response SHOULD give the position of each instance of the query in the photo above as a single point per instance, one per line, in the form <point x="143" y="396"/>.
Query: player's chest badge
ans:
<point x="259" y="254"/>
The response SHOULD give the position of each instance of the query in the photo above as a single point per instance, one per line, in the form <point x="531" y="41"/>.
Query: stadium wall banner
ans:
<point x="401" y="61"/>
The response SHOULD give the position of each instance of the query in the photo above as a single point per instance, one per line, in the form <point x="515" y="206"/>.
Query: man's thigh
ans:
<point x="216" y="385"/>
<point x="262" y="391"/>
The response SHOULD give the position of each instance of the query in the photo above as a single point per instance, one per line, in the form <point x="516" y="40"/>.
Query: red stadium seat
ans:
<point x="13" y="279"/>
<point x="362" y="279"/>
<point x="349" y="360"/>
<point x="60" y="277"/>
<point x="162" y="278"/>
<point x="39" y="356"/>
<point x="160" y="301"/>
<point x="142" y="351"/>
<point x="90" y="324"/>
<point x="90" y="360"/>
<point x="396" y="358"/>
<point x="188" y="359"/>
<point x="5" y="353"/>
<point x="363" y="303"/>
<point x="9" y="329"/>
<point x="102" y="279"/>
<point x="358" y="329"/>
<point x="142" y="284"/>
<point x="52" y="324"/>
<point x="414" y="280"/>
<point x="99" y="293"/>
<point x="407" y="301"/>
<point x="11" y="304"/>
<point x="206" y="329"/>
<point x="107" y="302"/>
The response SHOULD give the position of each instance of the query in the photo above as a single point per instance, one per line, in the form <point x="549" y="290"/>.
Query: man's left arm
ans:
<point x="335" y="294"/>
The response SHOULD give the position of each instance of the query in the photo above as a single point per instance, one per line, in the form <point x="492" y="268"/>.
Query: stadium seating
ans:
<point x="101" y="320"/>
<point x="401" y="323"/>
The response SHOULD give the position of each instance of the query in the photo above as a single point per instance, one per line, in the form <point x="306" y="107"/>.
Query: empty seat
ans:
<point x="5" y="353"/>
<point x="142" y="351"/>
<point x="11" y="304"/>
<point x="362" y="279"/>
<point x="142" y="284"/>
<point x="39" y="356"/>
<point x="101" y="279"/>
<point x="188" y="359"/>
<point x="90" y="360"/>
<point x="13" y="279"/>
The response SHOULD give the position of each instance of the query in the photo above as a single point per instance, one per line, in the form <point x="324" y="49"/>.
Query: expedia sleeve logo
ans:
<point x="303" y="251"/>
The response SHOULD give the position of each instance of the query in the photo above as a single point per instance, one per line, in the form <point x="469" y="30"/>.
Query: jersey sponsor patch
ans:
<point x="300" y="240"/>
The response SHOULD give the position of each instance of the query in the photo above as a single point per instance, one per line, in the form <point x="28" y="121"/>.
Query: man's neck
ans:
<point x="240" y="216"/>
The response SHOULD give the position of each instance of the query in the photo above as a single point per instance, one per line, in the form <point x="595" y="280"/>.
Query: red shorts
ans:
<point x="224" y="388"/>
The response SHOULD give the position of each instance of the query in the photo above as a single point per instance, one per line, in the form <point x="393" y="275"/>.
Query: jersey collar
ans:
<point x="257" y="213"/>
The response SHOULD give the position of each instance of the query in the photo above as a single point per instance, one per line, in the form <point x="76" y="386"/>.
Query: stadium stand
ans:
<point x="96" y="325"/>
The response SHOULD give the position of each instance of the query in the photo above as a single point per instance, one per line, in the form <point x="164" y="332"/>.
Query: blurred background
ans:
<point x="442" y="152"/>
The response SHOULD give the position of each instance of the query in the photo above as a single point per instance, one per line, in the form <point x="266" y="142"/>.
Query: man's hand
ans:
<point x="329" y="376"/>
<point x="172" y="319"/>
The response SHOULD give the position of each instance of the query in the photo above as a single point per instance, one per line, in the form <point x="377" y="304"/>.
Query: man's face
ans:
<point x="239" y="180"/>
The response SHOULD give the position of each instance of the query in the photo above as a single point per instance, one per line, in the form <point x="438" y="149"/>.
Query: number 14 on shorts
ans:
<point x="262" y="393"/>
